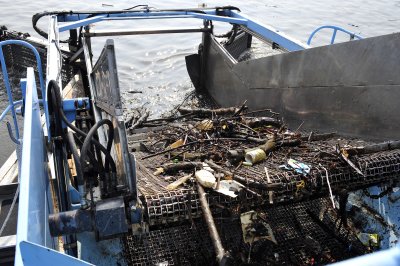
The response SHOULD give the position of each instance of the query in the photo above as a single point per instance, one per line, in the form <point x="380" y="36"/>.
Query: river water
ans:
<point x="155" y="65"/>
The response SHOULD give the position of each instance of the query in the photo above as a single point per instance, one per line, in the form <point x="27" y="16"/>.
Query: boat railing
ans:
<point x="335" y="30"/>
<point x="12" y="105"/>
<point x="33" y="246"/>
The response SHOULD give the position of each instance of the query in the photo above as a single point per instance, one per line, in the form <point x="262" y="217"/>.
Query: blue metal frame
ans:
<point x="145" y="14"/>
<point x="11" y="104"/>
<point x="35" y="198"/>
<point x="34" y="255"/>
<point x="335" y="30"/>
<point x="8" y="108"/>
<point x="229" y="16"/>
<point x="390" y="257"/>
<point x="270" y="33"/>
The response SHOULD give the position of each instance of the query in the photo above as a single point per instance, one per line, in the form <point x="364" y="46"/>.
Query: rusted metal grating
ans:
<point x="305" y="232"/>
<point x="377" y="168"/>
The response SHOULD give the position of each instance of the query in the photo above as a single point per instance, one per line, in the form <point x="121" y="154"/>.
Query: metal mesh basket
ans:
<point x="305" y="232"/>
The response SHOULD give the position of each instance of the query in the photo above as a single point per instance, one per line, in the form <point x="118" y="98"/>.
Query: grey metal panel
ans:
<point x="108" y="101"/>
<point x="370" y="61"/>
<point x="352" y="88"/>
<point x="107" y="95"/>
<point x="111" y="218"/>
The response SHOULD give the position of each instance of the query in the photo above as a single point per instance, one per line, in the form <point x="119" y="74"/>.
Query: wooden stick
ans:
<point x="209" y="112"/>
<point x="180" y="181"/>
<point x="212" y="229"/>
<point x="140" y="121"/>
<point x="384" y="146"/>
<point x="192" y="143"/>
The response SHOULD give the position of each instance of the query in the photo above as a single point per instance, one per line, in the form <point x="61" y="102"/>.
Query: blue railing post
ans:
<point x="11" y="103"/>
<point x="9" y="92"/>
<point x="335" y="29"/>
<point x="333" y="36"/>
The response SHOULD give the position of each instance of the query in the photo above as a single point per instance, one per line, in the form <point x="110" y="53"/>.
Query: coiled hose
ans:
<point x="54" y="92"/>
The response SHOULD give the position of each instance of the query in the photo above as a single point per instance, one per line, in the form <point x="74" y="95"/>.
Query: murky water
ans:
<point x="154" y="64"/>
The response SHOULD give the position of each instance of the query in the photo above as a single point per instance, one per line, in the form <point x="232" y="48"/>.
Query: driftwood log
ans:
<point x="175" y="167"/>
<point x="210" y="112"/>
<point x="140" y="121"/>
<point x="384" y="146"/>
<point x="255" y="122"/>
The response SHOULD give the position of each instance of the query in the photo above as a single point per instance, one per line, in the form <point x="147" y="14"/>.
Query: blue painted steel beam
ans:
<point x="134" y="14"/>
<point x="34" y="255"/>
<point x="228" y="16"/>
<point x="77" y="20"/>
<point x="143" y="15"/>
<point x="270" y="33"/>
<point x="85" y="22"/>
<point x="34" y="199"/>
<point x="239" y="21"/>
<point x="80" y="23"/>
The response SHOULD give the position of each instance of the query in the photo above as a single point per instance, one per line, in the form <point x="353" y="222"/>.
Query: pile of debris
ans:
<point x="260" y="155"/>
<point x="250" y="163"/>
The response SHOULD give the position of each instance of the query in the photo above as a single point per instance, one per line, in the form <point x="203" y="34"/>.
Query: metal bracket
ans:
<point x="70" y="106"/>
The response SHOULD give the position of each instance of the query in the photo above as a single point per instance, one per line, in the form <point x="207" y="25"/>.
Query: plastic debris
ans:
<point x="247" y="164"/>
<point x="255" y="156"/>
<point x="284" y="167"/>
<point x="205" y="125"/>
<point x="230" y="188"/>
<point x="176" y="144"/>
<point x="205" y="178"/>
<point x="299" y="167"/>
<point x="255" y="228"/>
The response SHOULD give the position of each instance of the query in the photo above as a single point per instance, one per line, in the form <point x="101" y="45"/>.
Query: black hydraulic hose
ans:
<point x="90" y="135"/>
<point x="100" y="168"/>
<point x="37" y="17"/>
<point x="75" y="155"/>
<point x="54" y="89"/>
